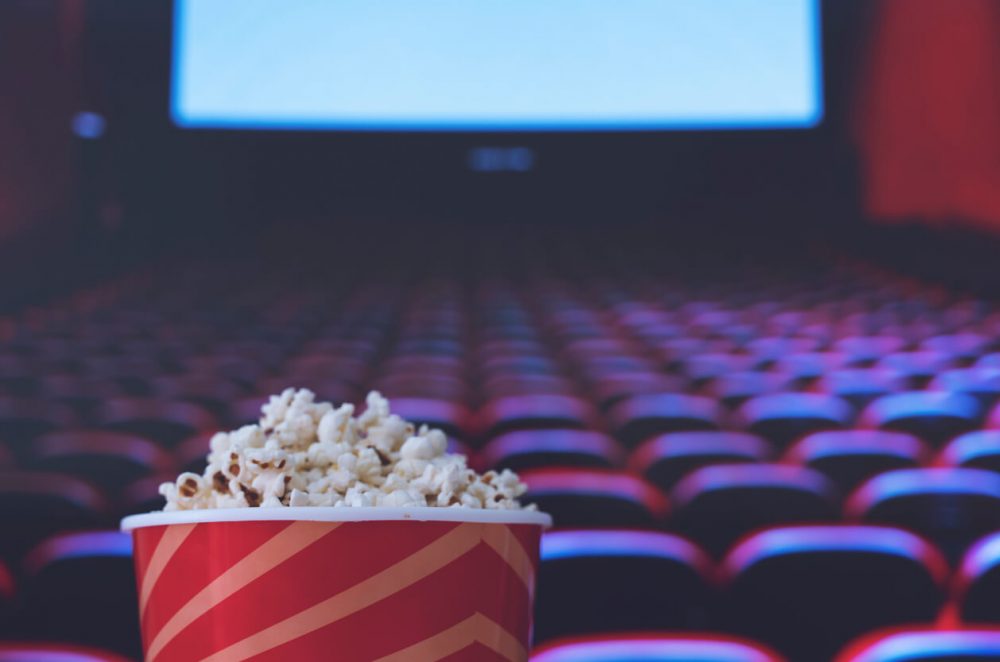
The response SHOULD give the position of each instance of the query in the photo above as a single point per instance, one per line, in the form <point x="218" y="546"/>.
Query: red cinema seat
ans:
<point x="655" y="647"/>
<point x="166" y="423"/>
<point x="935" y="417"/>
<point x="593" y="498"/>
<point x="34" y="505"/>
<point x="717" y="505"/>
<point x="534" y="449"/>
<point x="50" y="652"/>
<point x="535" y="412"/>
<point x="641" y="417"/>
<point x="807" y="590"/>
<point x="849" y="457"/>
<point x="929" y="644"/>
<point x="450" y="416"/>
<point x="782" y="418"/>
<point x="107" y="459"/>
<point x="80" y="588"/>
<point x="981" y="383"/>
<point x="952" y="507"/>
<point x="619" y="580"/>
<point x="859" y="386"/>
<point x="977" y="581"/>
<point x="979" y="449"/>
<point x="664" y="460"/>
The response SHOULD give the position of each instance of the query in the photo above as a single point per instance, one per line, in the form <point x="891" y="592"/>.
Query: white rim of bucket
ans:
<point x="337" y="514"/>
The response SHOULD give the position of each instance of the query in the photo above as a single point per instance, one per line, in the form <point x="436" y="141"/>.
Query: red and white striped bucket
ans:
<point x="346" y="584"/>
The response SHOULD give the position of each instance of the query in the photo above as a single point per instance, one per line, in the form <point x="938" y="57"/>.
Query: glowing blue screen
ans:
<point x="496" y="64"/>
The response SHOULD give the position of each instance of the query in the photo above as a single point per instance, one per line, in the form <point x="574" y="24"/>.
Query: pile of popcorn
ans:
<point x="308" y="453"/>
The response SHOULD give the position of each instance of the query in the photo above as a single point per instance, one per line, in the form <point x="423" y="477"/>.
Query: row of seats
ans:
<point x="112" y="460"/>
<point x="715" y="504"/>
<point x="127" y="468"/>
<point x="896" y="645"/>
<point x="692" y="400"/>
<point x="802" y="590"/>
<point x="779" y="419"/>
<point x="933" y="415"/>
<point x="910" y="645"/>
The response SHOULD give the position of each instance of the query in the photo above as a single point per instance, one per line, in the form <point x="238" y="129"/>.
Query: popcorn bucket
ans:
<point x="346" y="584"/>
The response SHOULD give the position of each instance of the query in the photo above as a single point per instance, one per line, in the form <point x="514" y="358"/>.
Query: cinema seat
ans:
<point x="49" y="652"/>
<point x="190" y="454"/>
<point x="918" y="367"/>
<point x="655" y="647"/>
<point x="641" y="417"/>
<point x="717" y="505"/>
<point x="619" y="580"/>
<point x="533" y="449"/>
<point x="143" y="496"/>
<point x="79" y="394"/>
<point x="859" y="386"/>
<point x="327" y="388"/>
<point x="664" y="460"/>
<point x="337" y="346"/>
<point x="80" y="588"/>
<point x="593" y="498"/>
<point x="7" y="593"/>
<point x="140" y="368"/>
<point x="106" y="459"/>
<point x="970" y="644"/>
<point x="806" y="368"/>
<point x="782" y="418"/>
<point x="22" y="421"/>
<point x="450" y="416"/>
<point x="674" y="351"/>
<point x="164" y="422"/>
<point x="242" y="369"/>
<point x="960" y="346"/>
<point x="735" y="388"/>
<point x="541" y="411"/>
<point x="34" y="505"/>
<point x="977" y="581"/>
<point x="703" y="368"/>
<point x="866" y="350"/>
<point x="406" y="364"/>
<point x="993" y="418"/>
<point x="991" y="360"/>
<point x="612" y="388"/>
<point x="952" y="507"/>
<point x="242" y="412"/>
<point x="849" y="457"/>
<point x="597" y="367"/>
<point x="499" y="346"/>
<point x="935" y="417"/>
<point x="210" y="392"/>
<point x="519" y="365"/>
<point x="394" y="386"/>
<point x="979" y="449"/>
<point x="807" y="590"/>
<point x="500" y="386"/>
<point x="981" y="383"/>
<point x="767" y="350"/>
<point x="432" y="346"/>
<point x="656" y="333"/>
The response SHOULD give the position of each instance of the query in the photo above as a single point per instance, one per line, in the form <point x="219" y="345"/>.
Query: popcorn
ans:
<point x="308" y="453"/>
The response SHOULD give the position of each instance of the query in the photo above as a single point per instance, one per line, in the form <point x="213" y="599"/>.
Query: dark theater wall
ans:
<point x="37" y="90"/>
<point x="928" y="113"/>
<point x="174" y="184"/>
